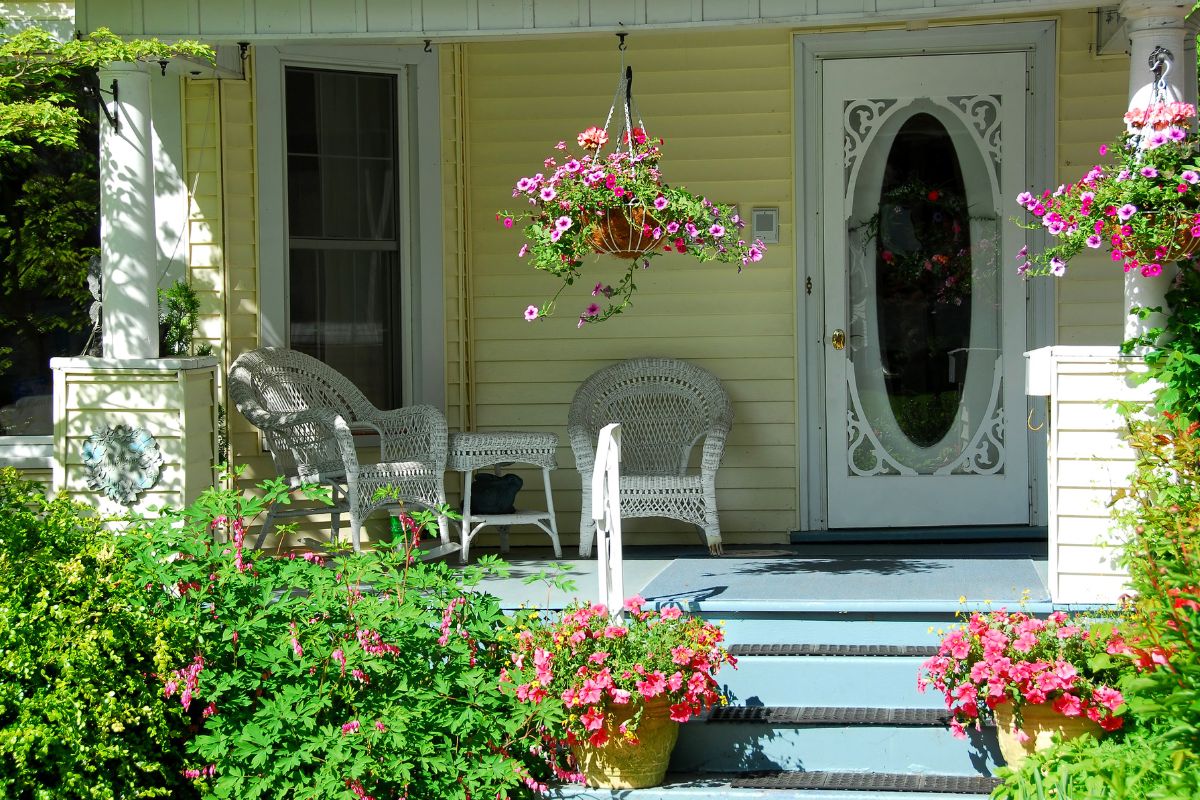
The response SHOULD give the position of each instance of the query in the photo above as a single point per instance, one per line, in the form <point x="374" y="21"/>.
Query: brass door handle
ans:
<point x="838" y="339"/>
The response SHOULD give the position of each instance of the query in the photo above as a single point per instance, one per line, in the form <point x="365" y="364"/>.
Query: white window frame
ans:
<point x="419" y="196"/>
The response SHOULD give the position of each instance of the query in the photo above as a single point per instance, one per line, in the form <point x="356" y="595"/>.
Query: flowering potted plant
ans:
<point x="1035" y="676"/>
<point x="612" y="691"/>
<point x="617" y="204"/>
<point x="1144" y="207"/>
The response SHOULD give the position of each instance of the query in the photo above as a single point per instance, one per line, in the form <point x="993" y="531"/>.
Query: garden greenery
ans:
<point x="365" y="675"/>
<point x="1158" y="754"/>
<point x="81" y="711"/>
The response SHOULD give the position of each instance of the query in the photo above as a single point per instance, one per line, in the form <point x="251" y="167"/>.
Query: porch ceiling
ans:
<point x="411" y="21"/>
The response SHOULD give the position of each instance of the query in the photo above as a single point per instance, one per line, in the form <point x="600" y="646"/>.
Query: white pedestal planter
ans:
<point x="164" y="454"/>
<point x="1089" y="459"/>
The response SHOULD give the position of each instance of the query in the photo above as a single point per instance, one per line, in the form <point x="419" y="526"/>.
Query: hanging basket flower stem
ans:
<point x="617" y="204"/>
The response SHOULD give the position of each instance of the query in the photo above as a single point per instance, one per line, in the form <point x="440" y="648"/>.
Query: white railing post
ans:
<point x="606" y="510"/>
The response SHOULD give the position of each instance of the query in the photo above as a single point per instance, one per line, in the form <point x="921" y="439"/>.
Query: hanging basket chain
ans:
<point x="629" y="237"/>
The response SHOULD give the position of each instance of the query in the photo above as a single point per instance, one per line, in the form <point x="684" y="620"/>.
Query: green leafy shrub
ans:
<point x="356" y="676"/>
<point x="1159" y="757"/>
<point x="81" y="713"/>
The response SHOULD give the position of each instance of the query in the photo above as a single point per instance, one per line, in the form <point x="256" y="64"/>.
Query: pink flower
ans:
<point x="660" y="203"/>
<point x="1108" y="697"/>
<point x="593" y="138"/>
<point x="523" y="251"/>
<point x="508" y="222"/>
<point x="531" y="313"/>
<point x="592" y="310"/>
<point x="350" y="727"/>
<point x="716" y="231"/>
<point x="1126" y="211"/>
<point x="671" y="613"/>
<point x="635" y="603"/>
<point x="681" y="712"/>
<point x="592" y="719"/>
<point x="379" y="726"/>
<point x="547" y="194"/>
<point x="562" y="223"/>
<point x="1068" y="705"/>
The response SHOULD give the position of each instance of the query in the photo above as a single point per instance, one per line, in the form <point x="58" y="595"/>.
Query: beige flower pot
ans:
<point x="620" y="764"/>
<point x="1040" y="724"/>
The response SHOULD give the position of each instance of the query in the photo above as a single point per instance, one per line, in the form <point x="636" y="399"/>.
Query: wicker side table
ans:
<point x="473" y="451"/>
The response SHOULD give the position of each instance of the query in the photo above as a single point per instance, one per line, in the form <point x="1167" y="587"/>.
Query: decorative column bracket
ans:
<point x="93" y="88"/>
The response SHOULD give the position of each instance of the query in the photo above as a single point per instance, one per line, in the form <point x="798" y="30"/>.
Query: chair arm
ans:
<point x="583" y="445"/>
<point x="414" y="433"/>
<point x="306" y="436"/>
<point x="714" y="449"/>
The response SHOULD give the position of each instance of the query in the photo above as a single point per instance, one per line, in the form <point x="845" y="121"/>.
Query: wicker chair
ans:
<point x="665" y="406"/>
<point x="308" y="411"/>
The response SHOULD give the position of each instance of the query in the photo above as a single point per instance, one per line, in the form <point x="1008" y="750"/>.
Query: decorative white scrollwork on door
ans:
<point x="925" y="373"/>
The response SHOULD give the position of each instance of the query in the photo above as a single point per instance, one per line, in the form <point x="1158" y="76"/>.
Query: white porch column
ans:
<point x="129" y="254"/>
<point x="1156" y="23"/>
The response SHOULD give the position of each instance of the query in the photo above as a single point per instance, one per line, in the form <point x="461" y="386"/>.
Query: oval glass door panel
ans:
<point x="924" y="321"/>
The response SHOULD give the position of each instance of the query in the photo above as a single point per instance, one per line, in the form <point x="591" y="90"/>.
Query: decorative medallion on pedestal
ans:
<point x="122" y="462"/>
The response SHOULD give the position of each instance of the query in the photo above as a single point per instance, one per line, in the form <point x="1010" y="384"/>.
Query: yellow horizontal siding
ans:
<point x="724" y="105"/>
<point x="1092" y="94"/>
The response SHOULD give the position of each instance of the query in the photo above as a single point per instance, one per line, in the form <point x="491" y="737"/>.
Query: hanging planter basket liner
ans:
<point x="622" y="232"/>
<point x="1183" y="246"/>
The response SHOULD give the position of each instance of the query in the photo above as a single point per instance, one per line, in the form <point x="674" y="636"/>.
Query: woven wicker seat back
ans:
<point x="666" y="407"/>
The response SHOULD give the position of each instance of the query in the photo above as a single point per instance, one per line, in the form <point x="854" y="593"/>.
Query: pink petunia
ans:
<point x="531" y="313"/>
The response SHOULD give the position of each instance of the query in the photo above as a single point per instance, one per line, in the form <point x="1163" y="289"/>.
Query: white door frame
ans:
<point x="1037" y="38"/>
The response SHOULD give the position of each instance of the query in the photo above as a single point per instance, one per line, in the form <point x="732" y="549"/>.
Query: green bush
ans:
<point x="81" y="712"/>
<point x="364" y="675"/>
<point x="1159" y="757"/>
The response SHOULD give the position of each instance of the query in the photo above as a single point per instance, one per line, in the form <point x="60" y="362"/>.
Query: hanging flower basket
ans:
<point x="617" y="204"/>
<point x="626" y="233"/>
<point x="621" y="763"/>
<point x="1183" y="245"/>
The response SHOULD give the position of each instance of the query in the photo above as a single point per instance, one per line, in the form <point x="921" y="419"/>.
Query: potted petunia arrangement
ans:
<point x="1144" y="206"/>
<point x="616" y="204"/>
<point x="612" y="691"/>
<point x="1034" y="676"/>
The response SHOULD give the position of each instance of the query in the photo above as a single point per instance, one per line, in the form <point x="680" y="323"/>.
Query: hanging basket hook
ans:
<point x="621" y="44"/>
<point x="1160" y="62"/>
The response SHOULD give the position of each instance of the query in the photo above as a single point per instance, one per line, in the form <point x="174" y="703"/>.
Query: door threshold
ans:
<point x="964" y="533"/>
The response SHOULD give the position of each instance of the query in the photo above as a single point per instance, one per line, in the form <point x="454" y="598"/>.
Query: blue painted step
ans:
<point x="849" y="627"/>
<point x="875" y="681"/>
<point x="835" y="746"/>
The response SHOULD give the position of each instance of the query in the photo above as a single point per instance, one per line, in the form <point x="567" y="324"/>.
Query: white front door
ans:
<point x="924" y="318"/>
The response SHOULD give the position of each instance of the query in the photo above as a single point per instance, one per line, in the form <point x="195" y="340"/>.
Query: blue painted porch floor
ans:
<point x="912" y="577"/>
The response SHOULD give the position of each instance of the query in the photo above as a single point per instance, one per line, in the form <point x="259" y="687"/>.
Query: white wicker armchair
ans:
<point x="665" y="407"/>
<point x="308" y="411"/>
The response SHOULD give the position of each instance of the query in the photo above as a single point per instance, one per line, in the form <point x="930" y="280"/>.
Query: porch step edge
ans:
<point x="848" y="650"/>
<point x="705" y="786"/>
<point x="868" y="781"/>
<point x="829" y="716"/>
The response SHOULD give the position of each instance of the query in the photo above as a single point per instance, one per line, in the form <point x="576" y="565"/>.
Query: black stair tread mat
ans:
<point x="839" y="715"/>
<point x="742" y="650"/>
<point x="867" y="781"/>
